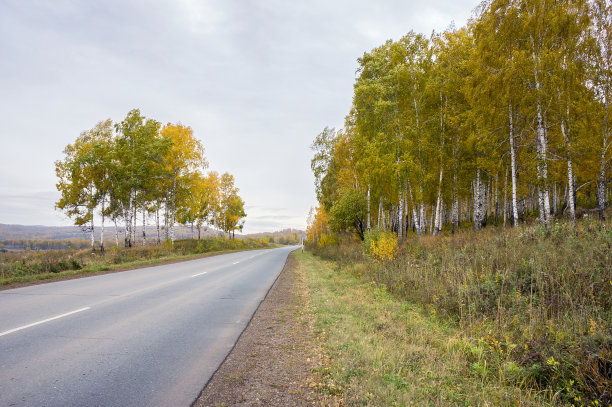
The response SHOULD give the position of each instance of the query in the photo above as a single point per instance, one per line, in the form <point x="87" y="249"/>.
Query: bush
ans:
<point x="16" y="266"/>
<point x="380" y="245"/>
<point x="540" y="304"/>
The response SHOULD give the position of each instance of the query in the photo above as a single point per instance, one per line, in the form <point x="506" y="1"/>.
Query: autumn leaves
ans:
<point x="137" y="167"/>
<point x="496" y="122"/>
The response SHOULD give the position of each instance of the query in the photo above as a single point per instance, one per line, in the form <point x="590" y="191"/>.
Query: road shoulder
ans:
<point x="273" y="360"/>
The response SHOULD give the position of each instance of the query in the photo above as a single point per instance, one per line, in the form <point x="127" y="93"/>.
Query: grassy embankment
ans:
<point x="28" y="266"/>
<point x="496" y="318"/>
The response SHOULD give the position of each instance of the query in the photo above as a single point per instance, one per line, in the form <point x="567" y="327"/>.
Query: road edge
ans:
<point x="192" y="404"/>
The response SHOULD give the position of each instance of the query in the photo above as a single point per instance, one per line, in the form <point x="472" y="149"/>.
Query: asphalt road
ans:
<point x="145" y="337"/>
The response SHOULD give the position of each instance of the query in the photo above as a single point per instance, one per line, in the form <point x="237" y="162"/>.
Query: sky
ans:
<point x="255" y="80"/>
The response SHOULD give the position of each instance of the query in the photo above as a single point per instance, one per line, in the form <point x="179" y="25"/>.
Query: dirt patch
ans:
<point x="273" y="360"/>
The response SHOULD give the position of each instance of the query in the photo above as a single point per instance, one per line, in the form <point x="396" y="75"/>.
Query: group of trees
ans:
<point x="494" y="122"/>
<point x="139" y="168"/>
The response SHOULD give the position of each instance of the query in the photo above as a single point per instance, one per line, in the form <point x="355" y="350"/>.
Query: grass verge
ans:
<point x="31" y="266"/>
<point x="381" y="350"/>
<point x="539" y="303"/>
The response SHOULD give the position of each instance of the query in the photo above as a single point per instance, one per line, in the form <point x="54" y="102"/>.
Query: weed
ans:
<point x="537" y="305"/>
<point x="36" y="265"/>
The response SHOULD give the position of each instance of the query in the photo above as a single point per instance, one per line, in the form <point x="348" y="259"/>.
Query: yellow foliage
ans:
<point x="381" y="246"/>
<point x="317" y="226"/>
<point x="325" y="240"/>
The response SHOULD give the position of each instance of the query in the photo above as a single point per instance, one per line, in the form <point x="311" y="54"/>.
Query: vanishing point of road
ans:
<point x="146" y="337"/>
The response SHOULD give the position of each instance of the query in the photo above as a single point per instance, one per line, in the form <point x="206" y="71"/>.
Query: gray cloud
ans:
<point x="256" y="81"/>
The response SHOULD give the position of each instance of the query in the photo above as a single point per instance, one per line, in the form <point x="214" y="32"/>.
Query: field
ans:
<point x="27" y="266"/>
<point x="503" y="315"/>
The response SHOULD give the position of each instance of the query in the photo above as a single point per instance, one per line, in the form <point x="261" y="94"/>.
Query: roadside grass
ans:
<point x="535" y="306"/>
<point x="380" y="350"/>
<point x="30" y="266"/>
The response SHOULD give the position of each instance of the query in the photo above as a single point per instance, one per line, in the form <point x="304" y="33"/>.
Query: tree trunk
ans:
<point x="93" y="239"/>
<point x="415" y="216"/>
<point x="166" y="221"/>
<point x="601" y="184"/>
<point x="496" y="203"/>
<point x="423" y="219"/>
<point x="144" y="227"/>
<point x="505" y="207"/>
<point x="380" y="213"/>
<point x="400" y="213"/>
<point x="554" y="199"/>
<point x="514" y="221"/>
<point x="477" y="202"/>
<point x="128" y="227"/>
<point x="102" y="228"/>
<point x="157" y="224"/>
<point x="438" y="221"/>
<point x="368" y="220"/>
<point x="116" y="232"/>
<point x="542" y="149"/>
<point x="173" y="210"/>
<point x="570" y="172"/>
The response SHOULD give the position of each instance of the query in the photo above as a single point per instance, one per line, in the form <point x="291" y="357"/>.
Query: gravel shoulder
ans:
<point x="273" y="360"/>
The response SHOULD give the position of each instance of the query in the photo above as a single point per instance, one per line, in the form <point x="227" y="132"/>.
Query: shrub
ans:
<point x="15" y="265"/>
<point x="380" y="245"/>
<point x="540" y="303"/>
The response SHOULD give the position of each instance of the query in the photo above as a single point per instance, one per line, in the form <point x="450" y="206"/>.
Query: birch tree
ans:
<point x="184" y="156"/>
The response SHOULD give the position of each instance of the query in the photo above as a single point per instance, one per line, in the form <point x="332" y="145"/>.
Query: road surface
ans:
<point x="145" y="337"/>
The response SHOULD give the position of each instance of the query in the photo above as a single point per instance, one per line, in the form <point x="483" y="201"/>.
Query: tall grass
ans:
<point x="541" y="303"/>
<point x="26" y="266"/>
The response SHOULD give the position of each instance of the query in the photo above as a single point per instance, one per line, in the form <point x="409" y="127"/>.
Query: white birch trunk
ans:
<point x="479" y="202"/>
<point x="92" y="236"/>
<point x="400" y="220"/>
<point x="601" y="184"/>
<point x="505" y="196"/>
<point x="134" y="227"/>
<point x="423" y="219"/>
<point x="496" y="203"/>
<point x="173" y="211"/>
<point x="144" y="226"/>
<point x="513" y="170"/>
<point x="116" y="232"/>
<point x="157" y="224"/>
<point x="380" y="213"/>
<point x="542" y="147"/>
<point x="438" y="214"/>
<point x="102" y="227"/>
<point x="128" y="227"/>
<point x="368" y="220"/>
<point x="415" y="216"/>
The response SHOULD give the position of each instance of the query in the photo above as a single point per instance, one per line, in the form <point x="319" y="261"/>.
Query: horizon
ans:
<point x="256" y="83"/>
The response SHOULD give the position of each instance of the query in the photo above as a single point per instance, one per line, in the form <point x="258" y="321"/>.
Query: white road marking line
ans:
<point x="10" y="331"/>
<point x="199" y="274"/>
<point x="236" y="262"/>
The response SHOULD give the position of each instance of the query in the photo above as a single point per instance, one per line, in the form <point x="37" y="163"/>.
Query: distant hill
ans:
<point x="38" y="232"/>
<point x="21" y="232"/>
<point x="285" y="236"/>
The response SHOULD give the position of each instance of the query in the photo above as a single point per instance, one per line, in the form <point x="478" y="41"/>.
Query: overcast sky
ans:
<point x="256" y="80"/>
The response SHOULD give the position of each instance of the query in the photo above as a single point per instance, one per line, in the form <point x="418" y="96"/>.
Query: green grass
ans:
<point x="536" y="306"/>
<point x="29" y="266"/>
<point x="384" y="351"/>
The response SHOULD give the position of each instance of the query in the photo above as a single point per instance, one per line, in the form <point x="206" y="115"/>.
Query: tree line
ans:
<point x="138" y="168"/>
<point x="501" y="120"/>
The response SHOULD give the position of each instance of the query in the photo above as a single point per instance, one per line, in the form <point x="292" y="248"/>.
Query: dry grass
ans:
<point x="536" y="307"/>
<point x="383" y="351"/>
<point x="27" y="266"/>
